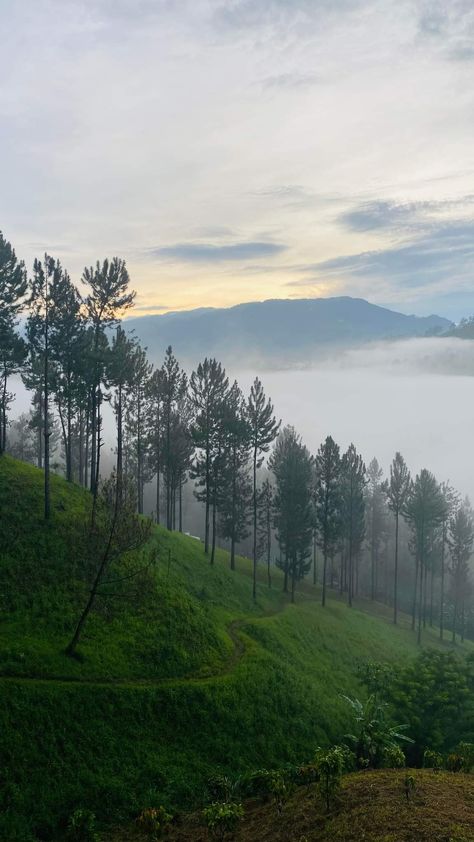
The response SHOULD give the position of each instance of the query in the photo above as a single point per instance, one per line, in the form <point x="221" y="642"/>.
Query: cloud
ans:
<point x="450" y="25"/>
<point x="381" y="214"/>
<point x="209" y="253"/>
<point x="290" y="81"/>
<point x="375" y="215"/>
<point x="445" y="253"/>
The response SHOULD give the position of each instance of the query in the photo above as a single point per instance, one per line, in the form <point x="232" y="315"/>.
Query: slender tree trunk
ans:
<point x="213" y="548"/>
<point x="232" y="552"/>
<point x="441" y="606"/>
<point x="180" y="506"/>
<point x="431" y="597"/>
<point x="425" y="596"/>
<point x="293" y="580"/>
<point x="395" y="572"/>
<point x="455" y="612"/>
<point x="325" y="567"/>
<point x="415" y="592"/>
<point x="315" y="570"/>
<point x="269" y="545"/>
<point x="254" y="587"/>
<point x="285" y="577"/>
<point x="208" y="490"/>
<point x="47" y="433"/>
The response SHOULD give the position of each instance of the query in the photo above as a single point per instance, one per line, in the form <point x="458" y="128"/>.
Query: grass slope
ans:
<point x="371" y="807"/>
<point x="188" y="678"/>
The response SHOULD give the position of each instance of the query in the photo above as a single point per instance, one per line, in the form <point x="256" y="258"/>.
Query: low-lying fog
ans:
<point x="416" y="396"/>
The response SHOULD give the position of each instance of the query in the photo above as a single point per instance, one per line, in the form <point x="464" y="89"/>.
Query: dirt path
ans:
<point x="235" y="656"/>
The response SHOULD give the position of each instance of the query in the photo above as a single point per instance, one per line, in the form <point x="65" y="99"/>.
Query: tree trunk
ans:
<point x="47" y="433"/>
<point x="325" y="567"/>
<point x="441" y="607"/>
<point x="254" y="587"/>
<point x="213" y="549"/>
<point x="395" y="573"/>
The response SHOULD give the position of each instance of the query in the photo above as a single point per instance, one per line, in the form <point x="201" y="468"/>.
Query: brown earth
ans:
<point x="371" y="807"/>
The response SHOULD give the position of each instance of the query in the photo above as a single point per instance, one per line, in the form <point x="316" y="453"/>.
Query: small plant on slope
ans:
<point x="82" y="827"/>
<point x="153" y="821"/>
<point x="330" y="765"/>
<point x="222" y="818"/>
<point x="374" y="736"/>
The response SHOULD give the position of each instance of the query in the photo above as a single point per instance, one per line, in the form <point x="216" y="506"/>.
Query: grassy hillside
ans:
<point x="371" y="807"/>
<point x="183" y="678"/>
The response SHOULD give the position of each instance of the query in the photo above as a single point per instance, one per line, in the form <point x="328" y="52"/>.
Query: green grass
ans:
<point x="169" y="688"/>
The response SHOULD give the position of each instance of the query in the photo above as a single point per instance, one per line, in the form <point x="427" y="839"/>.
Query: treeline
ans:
<point x="406" y="541"/>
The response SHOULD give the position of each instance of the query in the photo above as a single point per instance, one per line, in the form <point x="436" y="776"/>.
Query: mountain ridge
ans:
<point x="278" y="331"/>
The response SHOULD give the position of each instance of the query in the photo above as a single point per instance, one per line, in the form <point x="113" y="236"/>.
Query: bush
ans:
<point x="393" y="758"/>
<point x="280" y="788"/>
<point x="222" y="818"/>
<point x="432" y="760"/>
<point x="454" y="762"/>
<point x="153" y="821"/>
<point x="466" y="752"/>
<point x="330" y="765"/>
<point x="82" y="827"/>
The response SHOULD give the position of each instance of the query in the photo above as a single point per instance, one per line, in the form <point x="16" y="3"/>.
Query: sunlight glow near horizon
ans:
<point x="256" y="150"/>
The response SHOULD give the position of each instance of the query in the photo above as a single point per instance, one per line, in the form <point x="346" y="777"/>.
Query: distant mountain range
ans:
<point x="277" y="333"/>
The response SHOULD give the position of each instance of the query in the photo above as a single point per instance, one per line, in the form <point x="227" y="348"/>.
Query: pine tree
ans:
<point x="397" y="490"/>
<point x="461" y="540"/>
<point x="13" y="287"/>
<point x="208" y="387"/>
<point x="263" y="431"/>
<point x="108" y="298"/>
<point x="353" y="512"/>
<point x="327" y="502"/>
<point x="233" y="502"/>
<point x="425" y="509"/>
<point x="173" y="390"/>
<point x="292" y="466"/>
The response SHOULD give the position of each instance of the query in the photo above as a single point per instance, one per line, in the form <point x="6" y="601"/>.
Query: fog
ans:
<point x="416" y="396"/>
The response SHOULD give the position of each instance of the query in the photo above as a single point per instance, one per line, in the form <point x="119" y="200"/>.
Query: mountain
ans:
<point x="277" y="332"/>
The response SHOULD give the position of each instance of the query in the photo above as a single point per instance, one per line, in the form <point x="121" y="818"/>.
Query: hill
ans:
<point x="372" y="806"/>
<point x="277" y="332"/>
<point x="180" y="680"/>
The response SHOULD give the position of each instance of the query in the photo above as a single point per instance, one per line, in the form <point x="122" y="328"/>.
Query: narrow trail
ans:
<point x="237" y="653"/>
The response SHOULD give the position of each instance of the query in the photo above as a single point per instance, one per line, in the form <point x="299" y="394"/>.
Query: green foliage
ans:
<point x="280" y="788"/>
<point x="466" y="751"/>
<point x="82" y="827"/>
<point x="432" y="760"/>
<point x="174" y="684"/>
<point x="153" y="821"/>
<point x="434" y="695"/>
<point x="222" y="818"/>
<point x="375" y="738"/>
<point x="393" y="758"/>
<point x="330" y="765"/>
<point x="454" y="762"/>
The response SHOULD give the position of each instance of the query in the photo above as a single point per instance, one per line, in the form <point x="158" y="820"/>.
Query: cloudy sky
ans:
<point x="234" y="150"/>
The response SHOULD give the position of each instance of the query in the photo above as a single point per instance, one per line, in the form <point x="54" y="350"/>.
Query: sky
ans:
<point x="237" y="150"/>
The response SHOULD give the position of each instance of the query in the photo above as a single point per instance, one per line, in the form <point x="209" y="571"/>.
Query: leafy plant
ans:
<point x="466" y="752"/>
<point x="454" y="762"/>
<point x="409" y="786"/>
<point x="432" y="760"/>
<point x="393" y="758"/>
<point x="153" y="821"/>
<point x="374" y="736"/>
<point x="222" y="818"/>
<point x="280" y="788"/>
<point x="330" y="765"/>
<point x="82" y="827"/>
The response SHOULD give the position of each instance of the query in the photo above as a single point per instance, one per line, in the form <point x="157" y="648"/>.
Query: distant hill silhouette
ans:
<point x="278" y="331"/>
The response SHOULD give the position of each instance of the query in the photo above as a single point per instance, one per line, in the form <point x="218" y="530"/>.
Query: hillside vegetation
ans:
<point x="179" y="677"/>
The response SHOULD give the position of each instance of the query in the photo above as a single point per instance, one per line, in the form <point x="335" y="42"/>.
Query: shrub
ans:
<point x="281" y="789"/>
<point x="466" y="752"/>
<point x="82" y="827"/>
<point x="330" y="765"/>
<point x="432" y="760"/>
<point x="222" y="818"/>
<point x="223" y="788"/>
<point x="454" y="762"/>
<point x="393" y="758"/>
<point x="409" y="786"/>
<point x="153" y="821"/>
